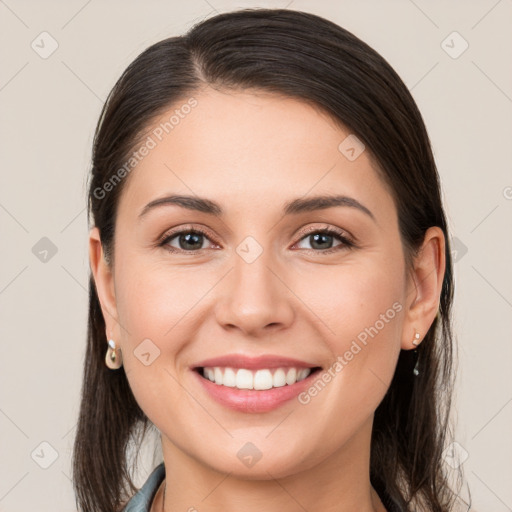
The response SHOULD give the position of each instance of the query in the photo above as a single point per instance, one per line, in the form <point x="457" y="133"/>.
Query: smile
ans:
<point x="266" y="378"/>
<point x="254" y="391"/>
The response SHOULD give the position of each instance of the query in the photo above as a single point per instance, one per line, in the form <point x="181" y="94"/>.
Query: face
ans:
<point x="257" y="279"/>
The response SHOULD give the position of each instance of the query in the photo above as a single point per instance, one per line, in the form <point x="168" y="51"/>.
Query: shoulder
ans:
<point x="141" y="502"/>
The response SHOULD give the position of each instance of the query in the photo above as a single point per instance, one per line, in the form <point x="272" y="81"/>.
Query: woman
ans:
<point x="271" y="279"/>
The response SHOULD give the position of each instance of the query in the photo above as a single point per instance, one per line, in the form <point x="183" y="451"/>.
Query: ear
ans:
<point x="104" y="280"/>
<point x="424" y="287"/>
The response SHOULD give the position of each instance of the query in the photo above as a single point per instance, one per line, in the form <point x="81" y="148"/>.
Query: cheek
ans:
<point x="360" y="315"/>
<point x="350" y="299"/>
<point x="158" y="305"/>
<point x="155" y="309"/>
<point x="152" y="300"/>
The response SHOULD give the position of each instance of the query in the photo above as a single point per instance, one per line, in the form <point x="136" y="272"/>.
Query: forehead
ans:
<point x="249" y="149"/>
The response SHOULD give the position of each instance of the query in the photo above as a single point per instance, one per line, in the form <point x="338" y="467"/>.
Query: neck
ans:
<point x="337" y="483"/>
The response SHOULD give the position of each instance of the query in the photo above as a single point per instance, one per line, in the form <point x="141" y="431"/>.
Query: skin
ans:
<point x="293" y="300"/>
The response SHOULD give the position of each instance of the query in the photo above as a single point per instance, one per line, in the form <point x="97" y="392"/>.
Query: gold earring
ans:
<point x="113" y="358"/>
<point x="416" y="341"/>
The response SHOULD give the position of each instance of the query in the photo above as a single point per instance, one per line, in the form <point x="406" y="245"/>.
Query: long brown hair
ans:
<point x="304" y="56"/>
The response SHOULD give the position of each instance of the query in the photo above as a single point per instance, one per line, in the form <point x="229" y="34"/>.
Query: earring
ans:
<point x="416" y="370"/>
<point x="113" y="358"/>
<point x="416" y="342"/>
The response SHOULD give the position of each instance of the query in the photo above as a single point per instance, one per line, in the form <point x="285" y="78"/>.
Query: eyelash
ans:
<point x="339" y="234"/>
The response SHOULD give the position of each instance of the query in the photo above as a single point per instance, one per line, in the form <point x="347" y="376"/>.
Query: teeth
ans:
<point x="259" y="380"/>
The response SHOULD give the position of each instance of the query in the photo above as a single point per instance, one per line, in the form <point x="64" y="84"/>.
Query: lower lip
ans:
<point x="254" y="401"/>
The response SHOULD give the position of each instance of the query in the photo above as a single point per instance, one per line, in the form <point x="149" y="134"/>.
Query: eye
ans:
<point x="188" y="240"/>
<point x="321" y="240"/>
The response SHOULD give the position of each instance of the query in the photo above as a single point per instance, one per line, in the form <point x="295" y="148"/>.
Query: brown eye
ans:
<point x="191" y="240"/>
<point x="322" y="240"/>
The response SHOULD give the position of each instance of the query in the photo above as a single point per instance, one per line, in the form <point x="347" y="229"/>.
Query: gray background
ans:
<point x="49" y="108"/>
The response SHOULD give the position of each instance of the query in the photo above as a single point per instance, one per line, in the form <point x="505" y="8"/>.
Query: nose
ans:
<point x="255" y="298"/>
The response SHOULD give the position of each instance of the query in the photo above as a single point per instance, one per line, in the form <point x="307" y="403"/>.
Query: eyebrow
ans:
<point x="294" y="207"/>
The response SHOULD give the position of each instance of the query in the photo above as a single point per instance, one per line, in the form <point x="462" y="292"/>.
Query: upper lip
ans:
<point x="252" y="362"/>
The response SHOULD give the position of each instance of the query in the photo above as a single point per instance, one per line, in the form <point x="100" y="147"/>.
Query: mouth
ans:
<point x="254" y="384"/>
<point x="256" y="379"/>
<point x="253" y="391"/>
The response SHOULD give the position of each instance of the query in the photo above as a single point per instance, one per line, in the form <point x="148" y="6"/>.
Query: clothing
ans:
<point x="141" y="502"/>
